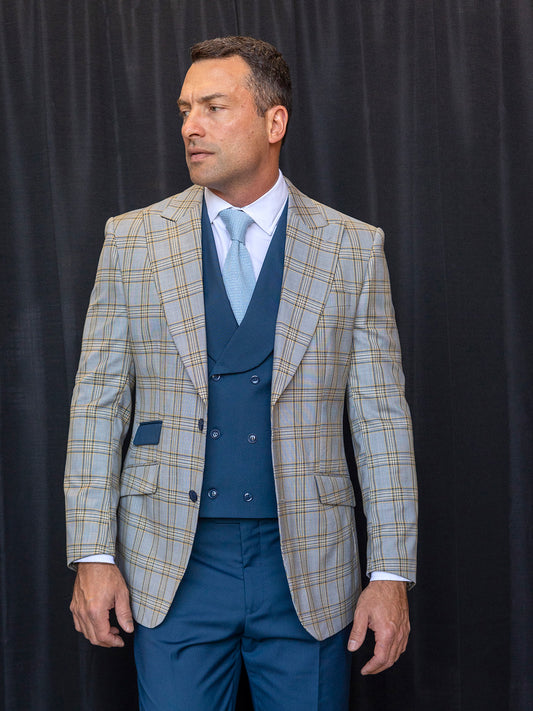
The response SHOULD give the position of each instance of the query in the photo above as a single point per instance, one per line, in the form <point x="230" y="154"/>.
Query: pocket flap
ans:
<point x="139" y="479"/>
<point x="335" y="490"/>
<point x="148" y="433"/>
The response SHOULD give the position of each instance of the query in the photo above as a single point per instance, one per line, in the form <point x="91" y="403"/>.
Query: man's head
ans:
<point x="234" y="108"/>
<point x="269" y="80"/>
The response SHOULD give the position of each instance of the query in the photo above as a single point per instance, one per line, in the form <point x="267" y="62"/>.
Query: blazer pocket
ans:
<point x="148" y="433"/>
<point x="139" y="479"/>
<point x="335" y="490"/>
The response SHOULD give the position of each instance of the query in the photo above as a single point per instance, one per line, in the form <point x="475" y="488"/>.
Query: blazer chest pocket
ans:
<point x="335" y="490"/>
<point x="148" y="433"/>
<point x="139" y="479"/>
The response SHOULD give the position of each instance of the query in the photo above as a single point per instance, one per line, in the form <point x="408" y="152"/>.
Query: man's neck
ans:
<point x="246" y="194"/>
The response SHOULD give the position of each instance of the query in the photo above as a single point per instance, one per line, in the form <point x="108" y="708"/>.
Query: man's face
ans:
<point x="227" y="144"/>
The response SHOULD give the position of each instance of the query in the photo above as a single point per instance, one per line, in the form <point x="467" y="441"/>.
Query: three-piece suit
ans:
<point x="144" y="374"/>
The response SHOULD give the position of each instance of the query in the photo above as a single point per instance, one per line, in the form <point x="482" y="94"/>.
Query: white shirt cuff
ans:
<point x="379" y="575"/>
<point x="97" y="558"/>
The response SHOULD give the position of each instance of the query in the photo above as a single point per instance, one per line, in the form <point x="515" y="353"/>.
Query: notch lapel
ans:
<point x="174" y="240"/>
<point x="311" y="253"/>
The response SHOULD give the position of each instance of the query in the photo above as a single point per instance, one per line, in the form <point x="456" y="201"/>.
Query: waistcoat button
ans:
<point x="215" y="434"/>
<point x="247" y="496"/>
<point x="254" y="379"/>
<point x="215" y="377"/>
<point x="212" y="493"/>
<point x="252" y="438"/>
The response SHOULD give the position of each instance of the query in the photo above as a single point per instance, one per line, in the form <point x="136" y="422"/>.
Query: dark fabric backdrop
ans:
<point x="414" y="115"/>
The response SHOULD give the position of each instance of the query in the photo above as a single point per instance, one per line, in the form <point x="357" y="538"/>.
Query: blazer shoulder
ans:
<point x="319" y="215"/>
<point x="174" y="208"/>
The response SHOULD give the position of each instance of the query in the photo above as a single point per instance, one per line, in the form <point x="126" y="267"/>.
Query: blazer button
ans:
<point x="212" y="493"/>
<point x="254" y="379"/>
<point x="252" y="438"/>
<point x="193" y="496"/>
<point x="215" y="434"/>
<point x="247" y="496"/>
<point x="201" y="424"/>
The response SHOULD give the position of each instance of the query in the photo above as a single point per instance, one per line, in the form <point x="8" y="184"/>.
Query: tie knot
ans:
<point x="237" y="222"/>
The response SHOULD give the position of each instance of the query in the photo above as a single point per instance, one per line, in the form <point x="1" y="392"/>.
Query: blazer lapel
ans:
<point x="311" y="252"/>
<point x="175" y="249"/>
<point x="174" y="239"/>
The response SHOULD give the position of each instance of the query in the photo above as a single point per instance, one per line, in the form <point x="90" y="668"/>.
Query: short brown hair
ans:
<point x="270" y="79"/>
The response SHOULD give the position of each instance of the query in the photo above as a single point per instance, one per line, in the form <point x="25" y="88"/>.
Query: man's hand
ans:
<point x="100" y="587"/>
<point x="383" y="608"/>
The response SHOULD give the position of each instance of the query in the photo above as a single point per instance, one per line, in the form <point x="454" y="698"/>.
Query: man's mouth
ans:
<point x="197" y="154"/>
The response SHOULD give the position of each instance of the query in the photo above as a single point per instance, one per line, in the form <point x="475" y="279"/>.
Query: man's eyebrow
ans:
<point x="203" y="100"/>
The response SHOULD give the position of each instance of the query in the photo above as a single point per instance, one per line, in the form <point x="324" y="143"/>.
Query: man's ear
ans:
<point x="278" y="118"/>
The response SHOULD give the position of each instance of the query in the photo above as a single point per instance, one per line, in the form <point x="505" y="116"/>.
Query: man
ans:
<point x="228" y="340"/>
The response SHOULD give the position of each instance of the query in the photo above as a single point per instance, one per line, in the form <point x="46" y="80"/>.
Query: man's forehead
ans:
<point x="228" y="70"/>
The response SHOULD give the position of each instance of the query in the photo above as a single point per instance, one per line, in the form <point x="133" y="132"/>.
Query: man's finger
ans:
<point x="100" y="630"/>
<point x="383" y="659"/>
<point x="390" y="644"/>
<point x="123" y="612"/>
<point x="358" y="633"/>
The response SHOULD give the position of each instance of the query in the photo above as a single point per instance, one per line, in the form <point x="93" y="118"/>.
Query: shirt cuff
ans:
<point x="380" y="575"/>
<point x="97" y="558"/>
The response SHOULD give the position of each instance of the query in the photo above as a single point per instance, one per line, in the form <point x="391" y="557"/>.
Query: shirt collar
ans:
<point x="264" y="211"/>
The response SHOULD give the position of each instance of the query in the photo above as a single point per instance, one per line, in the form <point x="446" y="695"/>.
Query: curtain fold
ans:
<point x="416" y="116"/>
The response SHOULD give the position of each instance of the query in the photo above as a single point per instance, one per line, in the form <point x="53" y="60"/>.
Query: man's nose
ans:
<point x="192" y="125"/>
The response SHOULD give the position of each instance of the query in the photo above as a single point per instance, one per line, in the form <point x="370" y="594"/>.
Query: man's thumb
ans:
<point x="123" y="613"/>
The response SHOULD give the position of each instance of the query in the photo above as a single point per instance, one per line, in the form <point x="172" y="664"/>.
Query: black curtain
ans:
<point x="413" y="115"/>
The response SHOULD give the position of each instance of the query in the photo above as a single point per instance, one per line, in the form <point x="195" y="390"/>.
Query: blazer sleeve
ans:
<point x="381" y="426"/>
<point x="100" y="413"/>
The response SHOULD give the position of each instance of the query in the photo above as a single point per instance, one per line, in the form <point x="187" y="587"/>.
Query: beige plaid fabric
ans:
<point x="144" y="358"/>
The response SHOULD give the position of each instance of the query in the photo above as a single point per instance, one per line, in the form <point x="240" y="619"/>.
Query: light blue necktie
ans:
<point x="238" y="272"/>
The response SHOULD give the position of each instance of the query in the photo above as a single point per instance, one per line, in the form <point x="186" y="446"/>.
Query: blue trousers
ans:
<point x="233" y="606"/>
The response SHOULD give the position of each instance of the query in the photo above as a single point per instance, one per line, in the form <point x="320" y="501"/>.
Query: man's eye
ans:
<point x="213" y="109"/>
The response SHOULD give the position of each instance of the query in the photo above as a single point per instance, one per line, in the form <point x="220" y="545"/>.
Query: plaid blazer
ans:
<point x="144" y="360"/>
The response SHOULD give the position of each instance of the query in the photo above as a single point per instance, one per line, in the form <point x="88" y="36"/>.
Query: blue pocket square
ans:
<point x="148" y="432"/>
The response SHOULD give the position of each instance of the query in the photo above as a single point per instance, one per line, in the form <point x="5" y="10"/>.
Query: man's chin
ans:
<point x="198" y="176"/>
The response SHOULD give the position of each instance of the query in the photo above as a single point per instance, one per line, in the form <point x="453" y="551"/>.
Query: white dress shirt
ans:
<point x="265" y="213"/>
